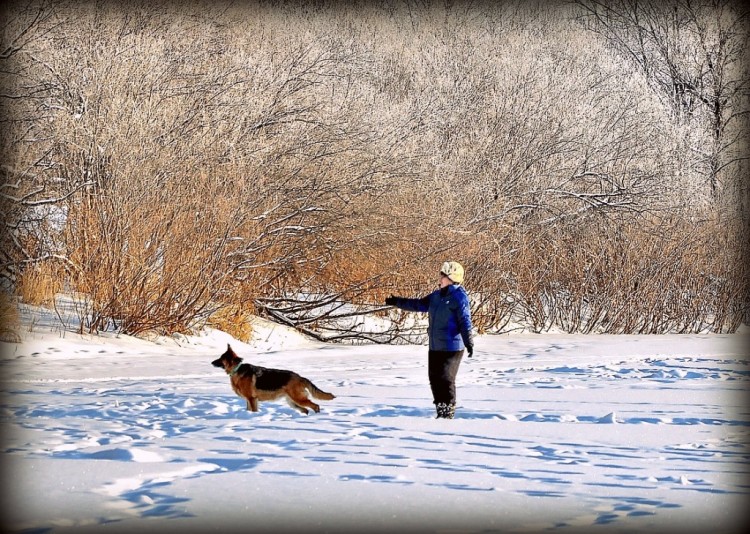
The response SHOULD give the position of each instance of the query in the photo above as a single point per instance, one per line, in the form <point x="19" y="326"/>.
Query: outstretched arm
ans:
<point x="414" y="305"/>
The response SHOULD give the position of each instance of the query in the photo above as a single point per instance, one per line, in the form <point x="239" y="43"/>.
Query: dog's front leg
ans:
<point x="252" y="404"/>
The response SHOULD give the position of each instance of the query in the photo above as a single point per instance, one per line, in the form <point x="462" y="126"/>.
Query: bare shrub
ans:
<point x="185" y="163"/>
<point x="694" y="57"/>
<point x="657" y="276"/>
<point x="148" y="263"/>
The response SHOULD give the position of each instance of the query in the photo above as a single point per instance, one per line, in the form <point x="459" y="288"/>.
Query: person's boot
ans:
<point x="445" y="410"/>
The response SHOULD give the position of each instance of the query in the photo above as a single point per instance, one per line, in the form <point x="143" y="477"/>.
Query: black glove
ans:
<point x="390" y="301"/>
<point x="470" y="350"/>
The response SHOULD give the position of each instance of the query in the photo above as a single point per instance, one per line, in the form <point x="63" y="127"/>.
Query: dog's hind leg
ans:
<point x="303" y="402"/>
<point x="293" y="403"/>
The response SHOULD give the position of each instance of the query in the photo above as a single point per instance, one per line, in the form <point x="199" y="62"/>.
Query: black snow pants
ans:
<point x="442" y="367"/>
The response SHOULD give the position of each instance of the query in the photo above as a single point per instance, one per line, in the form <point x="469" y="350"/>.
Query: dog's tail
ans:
<point x="318" y="393"/>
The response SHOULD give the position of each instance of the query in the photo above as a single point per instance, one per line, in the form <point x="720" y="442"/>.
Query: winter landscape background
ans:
<point x="172" y="171"/>
<point x="553" y="433"/>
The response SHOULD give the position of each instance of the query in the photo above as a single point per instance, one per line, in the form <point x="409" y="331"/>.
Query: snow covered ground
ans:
<point x="553" y="433"/>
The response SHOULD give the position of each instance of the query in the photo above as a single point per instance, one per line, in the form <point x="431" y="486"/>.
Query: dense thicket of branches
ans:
<point x="171" y="160"/>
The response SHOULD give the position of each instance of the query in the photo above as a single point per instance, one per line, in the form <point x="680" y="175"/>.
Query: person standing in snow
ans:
<point x="449" y="332"/>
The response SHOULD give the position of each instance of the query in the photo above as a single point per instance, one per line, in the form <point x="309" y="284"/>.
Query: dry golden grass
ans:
<point x="39" y="284"/>
<point x="9" y="320"/>
<point x="234" y="320"/>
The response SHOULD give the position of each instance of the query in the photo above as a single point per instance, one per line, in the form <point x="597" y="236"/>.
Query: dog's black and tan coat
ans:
<point x="255" y="383"/>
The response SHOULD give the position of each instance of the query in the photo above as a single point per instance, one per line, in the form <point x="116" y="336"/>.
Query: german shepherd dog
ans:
<point x="255" y="383"/>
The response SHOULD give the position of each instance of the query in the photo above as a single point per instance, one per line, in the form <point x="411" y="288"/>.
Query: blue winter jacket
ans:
<point x="449" y="317"/>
